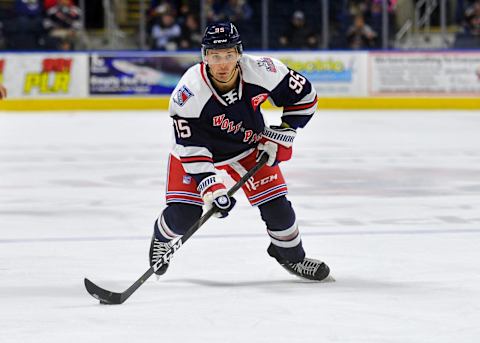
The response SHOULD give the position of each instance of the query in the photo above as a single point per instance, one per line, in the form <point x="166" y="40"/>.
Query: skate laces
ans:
<point x="306" y="267"/>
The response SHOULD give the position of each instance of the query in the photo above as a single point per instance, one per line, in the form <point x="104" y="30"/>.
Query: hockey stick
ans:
<point x="112" y="298"/>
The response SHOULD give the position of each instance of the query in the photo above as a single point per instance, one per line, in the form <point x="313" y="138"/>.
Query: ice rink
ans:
<point x="390" y="200"/>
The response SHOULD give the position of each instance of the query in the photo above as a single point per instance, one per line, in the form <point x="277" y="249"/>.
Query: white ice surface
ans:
<point x="390" y="200"/>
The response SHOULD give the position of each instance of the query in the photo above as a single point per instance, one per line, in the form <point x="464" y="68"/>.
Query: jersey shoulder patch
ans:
<point x="181" y="96"/>
<point x="190" y="95"/>
<point x="267" y="72"/>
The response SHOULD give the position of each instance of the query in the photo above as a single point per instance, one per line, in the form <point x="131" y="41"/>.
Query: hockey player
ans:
<point x="218" y="125"/>
<point x="3" y="92"/>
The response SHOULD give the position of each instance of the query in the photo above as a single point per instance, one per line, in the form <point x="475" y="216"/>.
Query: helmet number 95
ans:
<point x="296" y="81"/>
<point x="182" y="128"/>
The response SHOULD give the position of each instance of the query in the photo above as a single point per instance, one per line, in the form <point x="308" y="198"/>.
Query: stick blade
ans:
<point x="105" y="297"/>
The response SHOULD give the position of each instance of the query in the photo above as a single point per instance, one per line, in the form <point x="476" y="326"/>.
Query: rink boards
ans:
<point x="144" y="80"/>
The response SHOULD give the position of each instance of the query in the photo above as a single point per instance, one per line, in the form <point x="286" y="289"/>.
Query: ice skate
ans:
<point x="157" y="250"/>
<point x="310" y="269"/>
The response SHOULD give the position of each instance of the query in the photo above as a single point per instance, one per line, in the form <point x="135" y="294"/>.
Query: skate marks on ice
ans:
<point x="389" y="201"/>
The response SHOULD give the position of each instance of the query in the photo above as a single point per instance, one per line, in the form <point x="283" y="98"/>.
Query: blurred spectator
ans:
<point x="155" y="3"/>
<point x="237" y="11"/>
<point x="376" y="16"/>
<point x="165" y="32"/>
<point x="2" y="38"/>
<point x="298" y="35"/>
<point x="157" y="8"/>
<point x="213" y="10"/>
<point x="161" y="6"/>
<point x="47" y="4"/>
<point x="190" y="37"/>
<point x="185" y="8"/>
<point x="63" y="25"/>
<point x="472" y="19"/>
<point x="375" y="19"/>
<point x="29" y="8"/>
<point x="3" y="17"/>
<point x="360" y="35"/>
<point x="358" y="7"/>
<point x="240" y="13"/>
<point x="24" y="31"/>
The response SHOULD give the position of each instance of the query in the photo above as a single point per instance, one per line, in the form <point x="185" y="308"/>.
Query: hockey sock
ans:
<point x="282" y="228"/>
<point x="175" y="220"/>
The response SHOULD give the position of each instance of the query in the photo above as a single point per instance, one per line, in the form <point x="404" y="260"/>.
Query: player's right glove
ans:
<point x="214" y="194"/>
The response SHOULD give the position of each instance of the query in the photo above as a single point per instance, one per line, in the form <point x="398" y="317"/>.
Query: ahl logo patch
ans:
<point x="183" y="94"/>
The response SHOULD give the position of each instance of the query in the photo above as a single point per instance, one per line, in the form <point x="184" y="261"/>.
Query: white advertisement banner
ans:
<point x="45" y="75"/>
<point x="334" y="74"/>
<point x="447" y="73"/>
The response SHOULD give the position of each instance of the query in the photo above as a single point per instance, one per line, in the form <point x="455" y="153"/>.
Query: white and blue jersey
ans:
<point x="218" y="129"/>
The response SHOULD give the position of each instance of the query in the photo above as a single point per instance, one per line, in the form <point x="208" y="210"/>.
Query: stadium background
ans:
<point x="130" y="54"/>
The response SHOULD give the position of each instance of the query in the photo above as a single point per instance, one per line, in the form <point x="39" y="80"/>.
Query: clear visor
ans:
<point x="221" y="57"/>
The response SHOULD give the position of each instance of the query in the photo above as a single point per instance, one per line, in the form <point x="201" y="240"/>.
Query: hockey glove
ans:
<point x="277" y="143"/>
<point x="214" y="194"/>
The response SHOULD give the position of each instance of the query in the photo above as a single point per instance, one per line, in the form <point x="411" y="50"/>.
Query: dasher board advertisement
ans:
<point x="44" y="75"/>
<point x="413" y="74"/>
<point x="333" y="74"/>
<point x="137" y="73"/>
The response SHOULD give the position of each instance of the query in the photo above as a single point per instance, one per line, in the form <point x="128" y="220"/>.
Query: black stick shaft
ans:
<point x="107" y="297"/>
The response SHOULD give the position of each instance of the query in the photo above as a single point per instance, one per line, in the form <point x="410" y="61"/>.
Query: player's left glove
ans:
<point x="277" y="143"/>
<point x="214" y="194"/>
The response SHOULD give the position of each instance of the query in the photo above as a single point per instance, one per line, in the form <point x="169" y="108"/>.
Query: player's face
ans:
<point x="222" y="63"/>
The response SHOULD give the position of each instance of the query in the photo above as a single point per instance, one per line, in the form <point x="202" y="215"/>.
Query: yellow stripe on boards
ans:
<point x="91" y="104"/>
<point x="161" y="103"/>
<point x="400" y="103"/>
